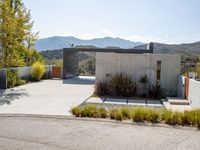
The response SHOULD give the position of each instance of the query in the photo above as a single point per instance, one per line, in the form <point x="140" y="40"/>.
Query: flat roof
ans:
<point x="107" y="50"/>
<point x="114" y="50"/>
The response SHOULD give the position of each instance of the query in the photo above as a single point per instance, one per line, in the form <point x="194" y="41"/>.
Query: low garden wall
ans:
<point x="24" y="73"/>
<point x="192" y="92"/>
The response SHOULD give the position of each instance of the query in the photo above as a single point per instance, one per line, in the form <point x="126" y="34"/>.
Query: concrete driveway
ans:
<point x="30" y="133"/>
<point x="49" y="97"/>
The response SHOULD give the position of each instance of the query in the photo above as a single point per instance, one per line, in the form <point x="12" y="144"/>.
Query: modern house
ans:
<point x="159" y="68"/>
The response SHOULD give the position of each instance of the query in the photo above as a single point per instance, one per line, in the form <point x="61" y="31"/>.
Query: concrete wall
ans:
<point x="70" y="64"/>
<point x="137" y="65"/>
<point x="194" y="93"/>
<point x="24" y="74"/>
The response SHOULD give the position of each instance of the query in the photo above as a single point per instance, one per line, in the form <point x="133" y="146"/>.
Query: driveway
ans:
<point x="49" y="97"/>
<point x="30" y="133"/>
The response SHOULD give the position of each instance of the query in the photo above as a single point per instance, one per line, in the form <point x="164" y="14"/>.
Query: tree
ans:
<point x="16" y="37"/>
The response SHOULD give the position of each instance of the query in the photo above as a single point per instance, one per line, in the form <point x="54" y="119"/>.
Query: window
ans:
<point x="158" y="75"/>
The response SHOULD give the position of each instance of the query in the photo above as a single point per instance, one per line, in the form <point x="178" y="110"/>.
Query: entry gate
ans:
<point x="56" y="72"/>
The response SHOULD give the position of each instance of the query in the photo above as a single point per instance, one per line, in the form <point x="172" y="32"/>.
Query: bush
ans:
<point x="126" y="113"/>
<point x="38" y="70"/>
<point x="172" y="118"/>
<point x="102" y="113"/>
<point x="115" y="114"/>
<point x="119" y="85"/>
<point x="198" y="119"/>
<point x="12" y="78"/>
<point x="140" y="114"/>
<point x="122" y="85"/>
<point x="188" y="118"/>
<point x="89" y="111"/>
<point x="154" y="116"/>
<point x="156" y="91"/>
<point x="101" y="89"/>
<point x="76" y="111"/>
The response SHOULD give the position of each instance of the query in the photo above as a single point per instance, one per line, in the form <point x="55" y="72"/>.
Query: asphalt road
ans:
<point x="35" y="133"/>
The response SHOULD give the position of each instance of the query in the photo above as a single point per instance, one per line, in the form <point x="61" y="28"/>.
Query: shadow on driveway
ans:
<point x="7" y="96"/>
<point x="84" y="80"/>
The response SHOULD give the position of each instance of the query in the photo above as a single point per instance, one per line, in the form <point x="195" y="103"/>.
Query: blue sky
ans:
<point x="167" y="21"/>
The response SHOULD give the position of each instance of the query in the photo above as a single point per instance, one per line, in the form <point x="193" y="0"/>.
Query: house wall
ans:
<point x="194" y="93"/>
<point x="137" y="65"/>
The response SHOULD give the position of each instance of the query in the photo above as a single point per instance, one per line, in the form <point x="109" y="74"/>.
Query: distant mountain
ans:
<point x="58" y="42"/>
<point x="187" y="50"/>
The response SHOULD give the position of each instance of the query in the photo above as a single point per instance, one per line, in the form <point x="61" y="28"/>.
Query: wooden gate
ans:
<point x="186" y="88"/>
<point x="56" y="72"/>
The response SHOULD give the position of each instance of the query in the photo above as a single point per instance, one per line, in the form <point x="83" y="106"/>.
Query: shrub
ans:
<point x="172" y="118"/>
<point x="112" y="113"/>
<point x="140" y="114"/>
<point x="156" y="91"/>
<point x="154" y="116"/>
<point x="126" y="113"/>
<point x="198" y="119"/>
<point x="101" y="89"/>
<point x="89" y="111"/>
<point x="115" y="114"/>
<point x="76" y="111"/>
<point x="144" y="81"/>
<point x="13" y="78"/>
<point x="119" y="85"/>
<point x="102" y="112"/>
<point x="122" y="85"/>
<point x="38" y="70"/>
<point x="188" y="118"/>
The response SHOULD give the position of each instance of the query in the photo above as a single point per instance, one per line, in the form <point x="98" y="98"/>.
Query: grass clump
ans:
<point x="187" y="118"/>
<point x="116" y="114"/>
<point x="126" y="113"/>
<point x="140" y="114"/>
<point x="91" y="111"/>
<point x="172" y="118"/>
<point x="154" y="116"/>
<point x="76" y="111"/>
<point x="102" y="113"/>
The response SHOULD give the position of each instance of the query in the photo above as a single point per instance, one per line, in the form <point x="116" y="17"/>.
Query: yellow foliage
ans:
<point x="38" y="70"/>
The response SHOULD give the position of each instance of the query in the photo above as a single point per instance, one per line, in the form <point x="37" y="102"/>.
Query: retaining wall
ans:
<point x="194" y="93"/>
<point x="24" y="74"/>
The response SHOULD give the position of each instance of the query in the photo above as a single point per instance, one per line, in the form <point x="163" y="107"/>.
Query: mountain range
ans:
<point x="59" y="42"/>
<point x="49" y="47"/>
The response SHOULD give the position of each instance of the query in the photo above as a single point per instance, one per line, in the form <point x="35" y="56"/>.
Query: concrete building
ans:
<point x="162" y="68"/>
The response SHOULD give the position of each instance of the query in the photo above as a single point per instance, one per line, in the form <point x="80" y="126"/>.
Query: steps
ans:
<point x="177" y="101"/>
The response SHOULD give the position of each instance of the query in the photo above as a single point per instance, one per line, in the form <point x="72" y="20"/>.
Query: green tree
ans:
<point x="16" y="38"/>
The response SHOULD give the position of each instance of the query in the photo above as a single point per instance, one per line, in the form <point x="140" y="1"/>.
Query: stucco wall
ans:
<point x="137" y="65"/>
<point x="194" y="93"/>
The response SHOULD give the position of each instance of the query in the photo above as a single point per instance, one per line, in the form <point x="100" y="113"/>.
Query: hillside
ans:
<point x="186" y="50"/>
<point x="58" y="42"/>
